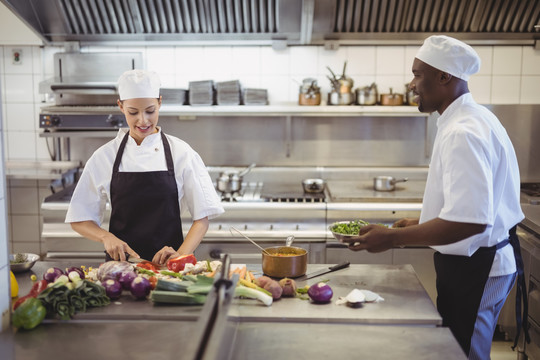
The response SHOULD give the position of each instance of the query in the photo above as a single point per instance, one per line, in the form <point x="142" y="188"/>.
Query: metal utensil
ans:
<point x="386" y="183"/>
<point x="253" y="242"/>
<point x="326" y="270"/>
<point x="289" y="240"/>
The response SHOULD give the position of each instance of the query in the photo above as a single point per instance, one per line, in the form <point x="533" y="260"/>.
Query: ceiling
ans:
<point x="278" y="22"/>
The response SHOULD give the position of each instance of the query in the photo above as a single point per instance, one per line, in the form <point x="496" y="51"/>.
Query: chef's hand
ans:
<point x="373" y="238"/>
<point x="117" y="248"/>
<point x="405" y="222"/>
<point x="165" y="254"/>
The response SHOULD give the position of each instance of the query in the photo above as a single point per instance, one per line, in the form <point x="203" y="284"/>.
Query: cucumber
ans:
<point x="180" y="298"/>
<point x="169" y="285"/>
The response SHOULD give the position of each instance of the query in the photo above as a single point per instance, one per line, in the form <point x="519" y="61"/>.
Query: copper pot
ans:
<point x="293" y="262"/>
<point x="392" y="99"/>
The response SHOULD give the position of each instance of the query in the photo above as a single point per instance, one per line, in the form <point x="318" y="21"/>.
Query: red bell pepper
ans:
<point x="37" y="288"/>
<point x="178" y="264"/>
<point x="148" y="266"/>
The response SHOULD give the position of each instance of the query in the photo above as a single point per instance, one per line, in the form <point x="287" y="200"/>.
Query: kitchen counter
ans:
<point x="407" y="313"/>
<point x="532" y="217"/>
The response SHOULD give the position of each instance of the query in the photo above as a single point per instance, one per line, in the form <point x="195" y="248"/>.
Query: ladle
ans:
<point x="289" y="240"/>
<point x="253" y="242"/>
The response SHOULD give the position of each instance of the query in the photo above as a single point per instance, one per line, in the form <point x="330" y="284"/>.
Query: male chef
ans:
<point x="471" y="201"/>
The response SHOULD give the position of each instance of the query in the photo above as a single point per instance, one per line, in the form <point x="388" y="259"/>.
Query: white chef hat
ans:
<point x="450" y="55"/>
<point x="138" y="84"/>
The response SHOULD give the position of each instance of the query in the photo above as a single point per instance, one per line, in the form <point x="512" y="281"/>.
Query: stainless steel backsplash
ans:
<point x="333" y="141"/>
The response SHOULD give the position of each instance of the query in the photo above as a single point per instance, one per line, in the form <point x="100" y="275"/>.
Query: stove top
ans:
<point x="259" y="192"/>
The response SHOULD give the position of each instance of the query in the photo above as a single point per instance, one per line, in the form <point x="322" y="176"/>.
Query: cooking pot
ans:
<point x="367" y="95"/>
<point x="386" y="183"/>
<point x="409" y="96"/>
<point x="230" y="181"/>
<point x="392" y="99"/>
<point x="337" y="98"/>
<point x="313" y="185"/>
<point x="291" y="263"/>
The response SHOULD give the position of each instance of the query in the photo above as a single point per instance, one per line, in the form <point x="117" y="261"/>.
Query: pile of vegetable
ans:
<point x="348" y="228"/>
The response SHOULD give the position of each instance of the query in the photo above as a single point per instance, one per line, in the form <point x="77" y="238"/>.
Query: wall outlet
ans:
<point x="16" y="56"/>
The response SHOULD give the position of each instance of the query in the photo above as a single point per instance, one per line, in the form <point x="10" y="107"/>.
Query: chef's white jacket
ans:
<point x="474" y="178"/>
<point x="195" y="189"/>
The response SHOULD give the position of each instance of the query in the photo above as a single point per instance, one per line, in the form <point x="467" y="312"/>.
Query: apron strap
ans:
<point x="168" y="154"/>
<point x="521" y="291"/>
<point x="120" y="152"/>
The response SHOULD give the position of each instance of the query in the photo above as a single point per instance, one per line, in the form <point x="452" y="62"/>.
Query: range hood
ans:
<point x="278" y="22"/>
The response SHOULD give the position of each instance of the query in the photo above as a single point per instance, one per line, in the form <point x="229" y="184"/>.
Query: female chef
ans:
<point x="145" y="175"/>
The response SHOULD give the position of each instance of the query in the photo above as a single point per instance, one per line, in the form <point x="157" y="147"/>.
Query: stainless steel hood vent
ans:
<point x="160" y="20"/>
<point x="409" y="19"/>
<point x="291" y="22"/>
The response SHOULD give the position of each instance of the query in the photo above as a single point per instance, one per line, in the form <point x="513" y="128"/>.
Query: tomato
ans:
<point x="148" y="266"/>
<point x="178" y="263"/>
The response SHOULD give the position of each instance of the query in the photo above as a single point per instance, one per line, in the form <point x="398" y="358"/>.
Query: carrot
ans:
<point x="242" y="271"/>
<point x="251" y="277"/>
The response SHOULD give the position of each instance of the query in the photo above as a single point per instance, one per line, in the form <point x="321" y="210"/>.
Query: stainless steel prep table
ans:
<point x="137" y="328"/>
<point x="405" y="300"/>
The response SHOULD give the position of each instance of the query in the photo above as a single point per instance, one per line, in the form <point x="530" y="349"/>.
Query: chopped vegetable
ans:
<point x="19" y="259"/>
<point x="350" y="228"/>
<point x="177" y="264"/>
<point x="246" y="292"/>
<point x="320" y="292"/>
<point x="144" y="271"/>
<point x="171" y="273"/>
<point x="148" y="266"/>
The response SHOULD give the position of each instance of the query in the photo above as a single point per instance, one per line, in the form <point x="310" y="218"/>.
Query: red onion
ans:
<point x="320" y="293"/>
<point x="77" y="269"/>
<point x="126" y="279"/>
<point x="140" y="287"/>
<point x="113" y="289"/>
<point x="52" y="273"/>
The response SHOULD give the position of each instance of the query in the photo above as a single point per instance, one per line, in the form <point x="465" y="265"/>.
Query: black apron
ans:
<point x="460" y="286"/>
<point x="144" y="206"/>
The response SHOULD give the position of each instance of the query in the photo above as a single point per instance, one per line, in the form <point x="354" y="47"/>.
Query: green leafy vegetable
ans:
<point x="350" y="228"/>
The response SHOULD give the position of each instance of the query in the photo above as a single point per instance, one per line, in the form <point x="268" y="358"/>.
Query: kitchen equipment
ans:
<point x="253" y="242"/>
<point x="230" y="181"/>
<point x="337" y="98"/>
<point x="313" y="185"/>
<point x="327" y="270"/>
<point x="386" y="183"/>
<point x="341" y="93"/>
<point x="409" y="96"/>
<point x="310" y="93"/>
<point x="284" y="261"/>
<point x="30" y="260"/>
<point x="392" y="99"/>
<point x="289" y="240"/>
<point x="367" y="95"/>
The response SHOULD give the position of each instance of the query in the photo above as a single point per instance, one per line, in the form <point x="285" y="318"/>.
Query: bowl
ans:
<point x="293" y="264"/>
<point x="341" y="237"/>
<point x="22" y="266"/>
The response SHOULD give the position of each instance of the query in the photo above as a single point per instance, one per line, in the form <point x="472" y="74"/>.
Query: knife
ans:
<point x="325" y="270"/>
<point x="135" y="260"/>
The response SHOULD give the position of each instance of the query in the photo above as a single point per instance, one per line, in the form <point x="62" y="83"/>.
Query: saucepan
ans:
<point x="386" y="183"/>
<point x="313" y="186"/>
<point x="284" y="261"/>
<point x="231" y="181"/>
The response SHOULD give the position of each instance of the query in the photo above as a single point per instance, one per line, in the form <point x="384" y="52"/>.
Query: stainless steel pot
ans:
<point x="386" y="183"/>
<point x="337" y="98"/>
<point x="367" y="95"/>
<point x="230" y="181"/>
<point x="313" y="185"/>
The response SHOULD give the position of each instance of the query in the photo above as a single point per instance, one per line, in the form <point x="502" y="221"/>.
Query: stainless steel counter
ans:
<point x="135" y="329"/>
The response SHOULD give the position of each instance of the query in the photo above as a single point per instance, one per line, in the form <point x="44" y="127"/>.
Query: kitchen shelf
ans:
<point x="285" y="109"/>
